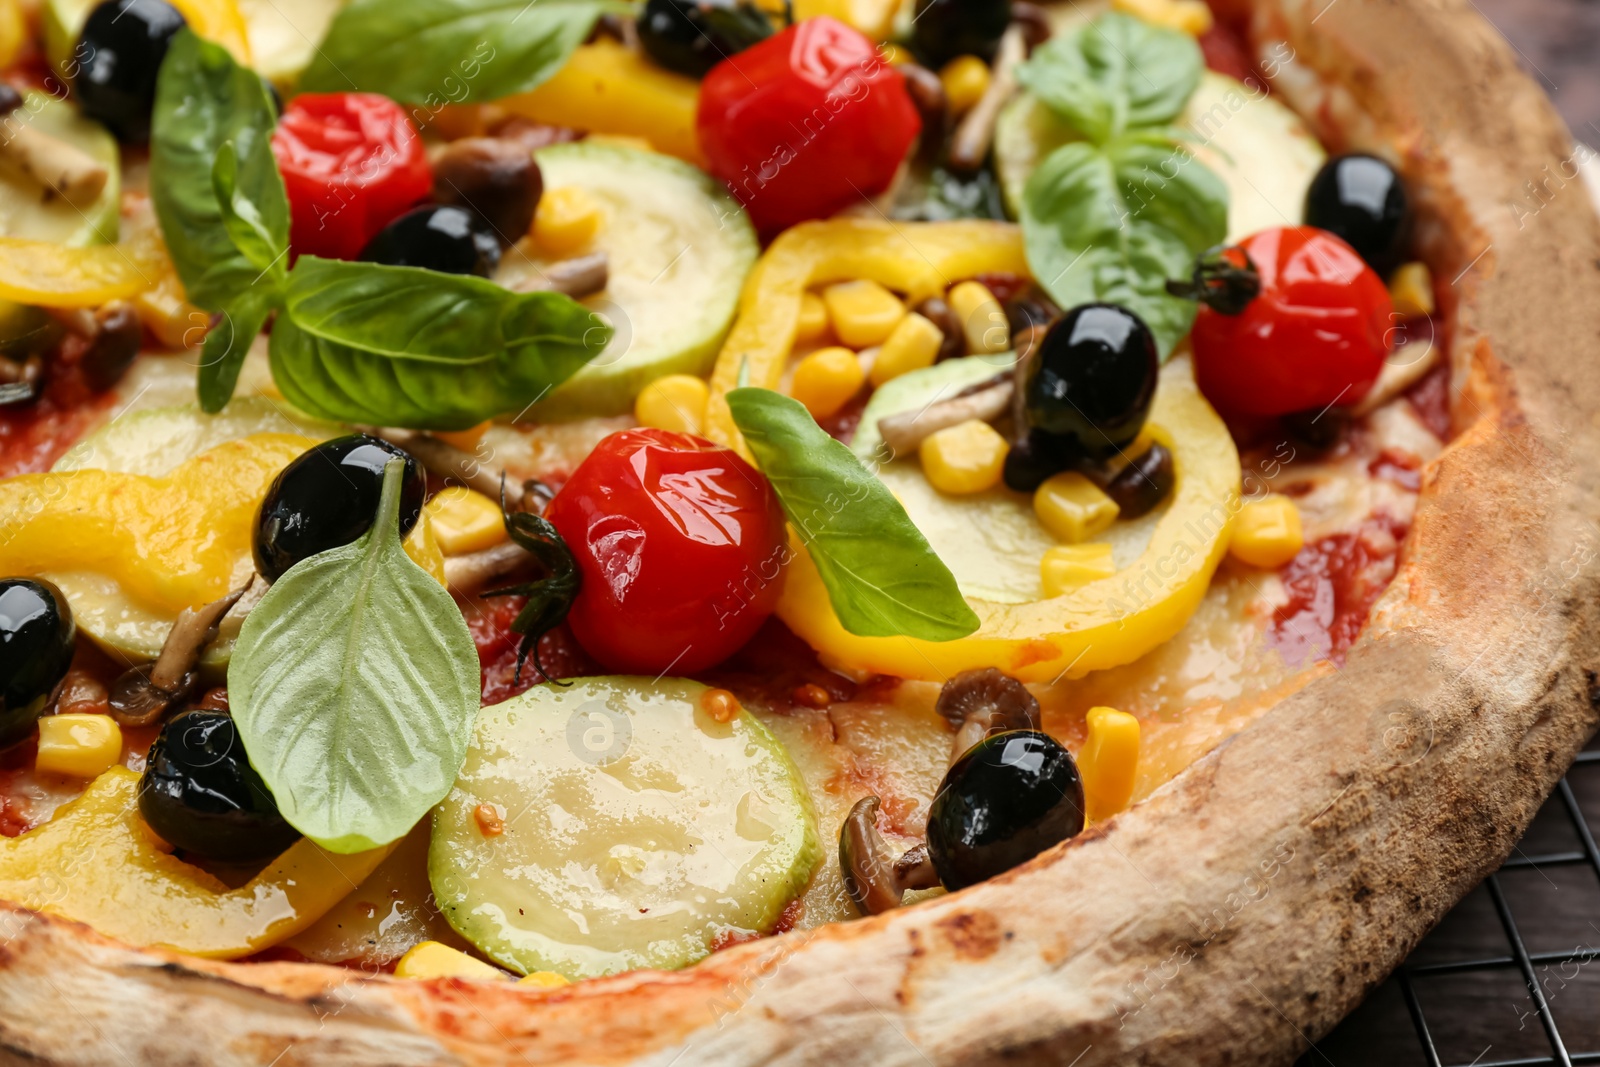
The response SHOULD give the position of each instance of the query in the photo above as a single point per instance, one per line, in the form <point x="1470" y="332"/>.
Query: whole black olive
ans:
<point x="1142" y="483"/>
<point x="1035" y="458"/>
<point x="692" y="36"/>
<point x="199" y="792"/>
<point x="118" y="55"/>
<point x="1093" y="379"/>
<point x="1007" y="799"/>
<point x="494" y="176"/>
<point x="37" y="636"/>
<point x="441" y="237"/>
<point x="328" y="497"/>
<point x="945" y="29"/>
<point x="1361" y="199"/>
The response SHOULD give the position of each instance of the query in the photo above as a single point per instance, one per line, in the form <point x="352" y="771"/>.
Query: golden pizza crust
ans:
<point x="1245" y="906"/>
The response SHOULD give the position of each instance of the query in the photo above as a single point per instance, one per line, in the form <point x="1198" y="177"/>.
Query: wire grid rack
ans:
<point x="1509" y="977"/>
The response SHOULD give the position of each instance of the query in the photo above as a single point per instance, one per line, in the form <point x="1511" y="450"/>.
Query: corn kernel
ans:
<point x="1108" y="761"/>
<point x="893" y="54"/>
<point x="622" y="140"/>
<point x="1190" y="16"/>
<point x="430" y="959"/>
<point x="567" y="219"/>
<point x="674" y="402"/>
<point x="981" y="318"/>
<point x="464" y="520"/>
<point x="863" y="312"/>
<point x="966" y="458"/>
<point x="1073" y="508"/>
<point x="1066" y="567"/>
<point x="544" y="980"/>
<point x="826" y="380"/>
<point x="83" y="746"/>
<point x="914" y="344"/>
<point x="1411" y="290"/>
<point x="966" y="79"/>
<point x="467" y="440"/>
<point x="423" y="548"/>
<point x="813" y="319"/>
<point x="1267" y="532"/>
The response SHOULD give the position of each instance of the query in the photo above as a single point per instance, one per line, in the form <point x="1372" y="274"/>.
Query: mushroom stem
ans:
<point x="446" y="460"/>
<point x="987" y="402"/>
<point x="578" y="277"/>
<point x="874" y="881"/>
<point x="470" y="573"/>
<point x="64" y="170"/>
<point x="982" y="702"/>
<point x="970" y="146"/>
<point x="142" y="695"/>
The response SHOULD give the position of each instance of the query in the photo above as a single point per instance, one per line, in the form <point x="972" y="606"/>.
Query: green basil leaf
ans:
<point x="257" y="222"/>
<point x="402" y="346"/>
<point x="1115" y="73"/>
<point x="354" y="684"/>
<point x="227" y="343"/>
<point x="437" y="52"/>
<point x="882" y="577"/>
<point x="1114" y="224"/>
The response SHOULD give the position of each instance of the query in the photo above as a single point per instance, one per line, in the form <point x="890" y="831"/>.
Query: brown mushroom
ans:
<point x="982" y="702"/>
<point x="875" y="882"/>
<point x="495" y="177"/>
<point x="578" y="277"/>
<point x="1035" y="23"/>
<point x="471" y="573"/>
<point x="985" y="401"/>
<point x="144" y="694"/>
<point x="927" y="93"/>
<point x="113" y="345"/>
<point x="62" y="169"/>
<point x="458" y="467"/>
<point x="953" y="343"/>
<point x="970" y="145"/>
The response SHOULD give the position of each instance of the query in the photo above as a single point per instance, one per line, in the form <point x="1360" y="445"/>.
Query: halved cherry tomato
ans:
<point x="805" y="123"/>
<point x="352" y="162"/>
<point x="681" y="545"/>
<point x="1315" y="335"/>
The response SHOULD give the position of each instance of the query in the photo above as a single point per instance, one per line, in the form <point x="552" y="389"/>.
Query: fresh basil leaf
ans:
<point x="437" y="52"/>
<point x="882" y="577"/>
<point x="354" y="684"/>
<point x="227" y="343"/>
<point x="257" y="222"/>
<point x="402" y="346"/>
<point x="1115" y="73"/>
<point x="1113" y="225"/>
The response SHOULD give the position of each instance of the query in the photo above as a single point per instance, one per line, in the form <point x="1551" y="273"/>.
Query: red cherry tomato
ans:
<point x="681" y="545"/>
<point x="351" y="163"/>
<point x="1315" y="335"/>
<point x="805" y="123"/>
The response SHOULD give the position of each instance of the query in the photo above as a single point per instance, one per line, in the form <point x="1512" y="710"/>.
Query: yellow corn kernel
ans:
<point x="1066" y="567"/>
<point x="893" y="54"/>
<point x="1108" y="761"/>
<point x="1073" y="508"/>
<point x="863" y="312"/>
<point x="826" y="380"/>
<point x="1190" y="16"/>
<point x="1411" y="290"/>
<point x="914" y="344"/>
<point x="813" y="319"/>
<point x="423" y="548"/>
<point x="966" y="79"/>
<point x="981" y="318"/>
<point x="966" y="458"/>
<point x="467" y="440"/>
<point x="464" y="520"/>
<point x="83" y="746"/>
<point x="544" y="980"/>
<point x="1267" y="532"/>
<point x="622" y="140"/>
<point x="673" y="402"/>
<point x="566" y="221"/>
<point x="430" y="959"/>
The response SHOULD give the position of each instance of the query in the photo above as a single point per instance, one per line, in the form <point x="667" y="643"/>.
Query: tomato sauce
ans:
<point x="33" y="436"/>
<point x="489" y="622"/>
<point x="1332" y="585"/>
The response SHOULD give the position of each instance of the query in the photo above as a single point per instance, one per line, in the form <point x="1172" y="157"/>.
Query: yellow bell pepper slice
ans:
<point x="52" y="275"/>
<point x="95" y="863"/>
<point x="875" y="18"/>
<point x="918" y="259"/>
<point x="219" y="21"/>
<point x="172" y="542"/>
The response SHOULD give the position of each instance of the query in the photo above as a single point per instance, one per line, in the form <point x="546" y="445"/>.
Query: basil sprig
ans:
<point x="437" y="52"/>
<point x="353" y="342"/>
<point x="354" y="684"/>
<point x="1113" y="216"/>
<point x="882" y="577"/>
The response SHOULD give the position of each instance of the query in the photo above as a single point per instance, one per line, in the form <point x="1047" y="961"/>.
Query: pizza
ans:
<point x="812" y="533"/>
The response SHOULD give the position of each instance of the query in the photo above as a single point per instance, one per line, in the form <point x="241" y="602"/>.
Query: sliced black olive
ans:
<point x="493" y="176"/>
<point x="119" y="53"/>
<point x="1142" y="483"/>
<point x="1093" y="379"/>
<point x="326" y="498"/>
<point x="200" y="793"/>
<point x="37" y="637"/>
<point x="945" y="29"/>
<point x="1010" y="797"/>
<point x="692" y="36"/>
<point x="1361" y="199"/>
<point x="441" y="237"/>
<point x="1035" y="458"/>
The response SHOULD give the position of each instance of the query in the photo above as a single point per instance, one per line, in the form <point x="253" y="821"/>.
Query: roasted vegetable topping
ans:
<point x="441" y="237"/>
<point x="123" y="44"/>
<point x="1093" y="379"/>
<point x="496" y="177"/>
<point x="37" y="636"/>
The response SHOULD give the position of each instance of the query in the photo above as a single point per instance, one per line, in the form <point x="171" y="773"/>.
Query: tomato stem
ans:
<point x="1225" y="279"/>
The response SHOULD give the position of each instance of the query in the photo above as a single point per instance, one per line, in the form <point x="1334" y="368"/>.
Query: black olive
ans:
<point x="119" y="53"/>
<point x="1142" y="483"/>
<point x="37" y="636"/>
<point x="1361" y="199"/>
<point x="1319" y="431"/>
<point x="692" y="36"/>
<point x="945" y="29"/>
<point x="441" y="237"/>
<point x="1007" y="799"/>
<point x="328" y="497"/>
<point x="1093" y="379"/>
<point x="1036" y="457"/>
<point x="496" y="177"/>
<point x="117" y="338"/>
<point x="199" y="792"/>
